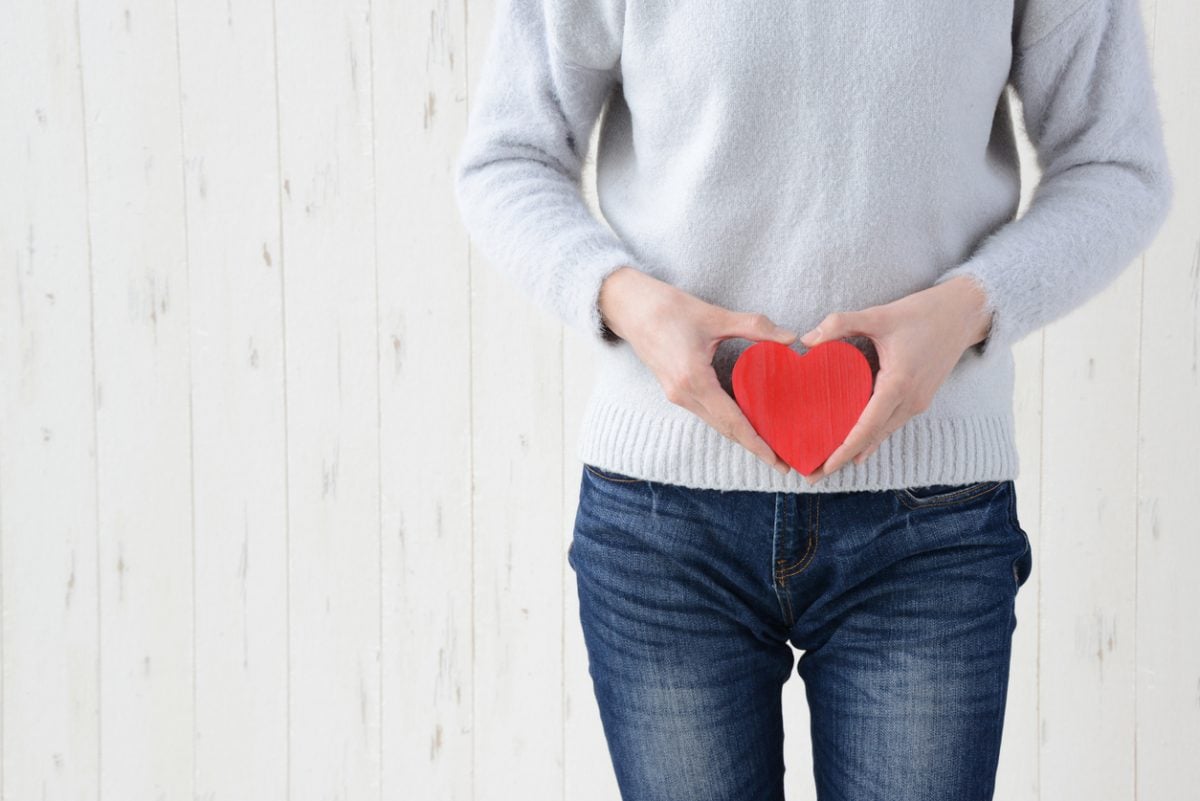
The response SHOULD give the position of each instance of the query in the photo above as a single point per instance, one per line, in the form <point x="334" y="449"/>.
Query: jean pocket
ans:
<point x="943" y="494"/>
<point x="609" y="475"/>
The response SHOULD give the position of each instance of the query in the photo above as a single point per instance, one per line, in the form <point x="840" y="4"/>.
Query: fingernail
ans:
<point x="782" y="468"/>
<point x="811" y="337"/>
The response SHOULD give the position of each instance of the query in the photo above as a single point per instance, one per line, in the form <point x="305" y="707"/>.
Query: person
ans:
<point x="767" y="169"/>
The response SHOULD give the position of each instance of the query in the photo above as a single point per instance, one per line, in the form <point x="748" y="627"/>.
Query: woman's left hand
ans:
<point x="919" y="339"/>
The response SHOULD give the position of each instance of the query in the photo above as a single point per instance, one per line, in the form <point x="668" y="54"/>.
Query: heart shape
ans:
<point x="803" y="406"/>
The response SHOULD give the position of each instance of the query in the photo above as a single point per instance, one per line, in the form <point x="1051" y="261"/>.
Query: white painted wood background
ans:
<point x="287" y="476"/>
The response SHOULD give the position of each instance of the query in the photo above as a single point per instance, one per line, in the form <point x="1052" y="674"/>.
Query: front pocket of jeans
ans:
<point x="943" y="494"/>
<point x="609" y="475"/>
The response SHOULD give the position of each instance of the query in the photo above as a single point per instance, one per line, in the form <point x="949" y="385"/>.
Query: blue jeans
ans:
<point x="902" y="602"/>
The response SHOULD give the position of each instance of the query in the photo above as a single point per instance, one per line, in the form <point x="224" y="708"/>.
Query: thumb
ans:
<point x="834" y="326"/>
<point x="758" y="327"/>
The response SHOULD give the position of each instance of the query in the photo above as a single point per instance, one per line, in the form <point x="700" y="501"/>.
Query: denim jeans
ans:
<point x="902" y="602"/>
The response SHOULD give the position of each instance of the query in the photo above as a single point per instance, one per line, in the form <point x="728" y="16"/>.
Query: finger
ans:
<point x="865" y="322"/>
<point x="870" y="449"/>
<point x="816" y="475"/>
<point x="692" y="393"/>
<point x="727" y="417"/>
<point x="734" y="426"/>
<point x="870" y="424"/>
<point x="899" y="417"/>
<point x="753" y="326"/>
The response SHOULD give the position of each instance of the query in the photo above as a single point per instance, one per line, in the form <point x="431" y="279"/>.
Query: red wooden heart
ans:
<point x="802" y="406"/>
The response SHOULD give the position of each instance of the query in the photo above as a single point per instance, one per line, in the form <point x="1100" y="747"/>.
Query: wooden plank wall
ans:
<point x="287" y="471"/>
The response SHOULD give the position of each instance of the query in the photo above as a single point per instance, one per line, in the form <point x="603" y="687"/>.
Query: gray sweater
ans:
<point x="798" y="159"/>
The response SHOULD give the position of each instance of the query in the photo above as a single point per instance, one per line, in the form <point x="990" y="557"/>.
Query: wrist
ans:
<point x="608" y="303"/>
<point x="971" y="300"/>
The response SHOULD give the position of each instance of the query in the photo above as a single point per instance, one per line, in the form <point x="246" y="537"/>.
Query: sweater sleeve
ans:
<point x="549" y="67"/>
<point x="1090" y="111"/>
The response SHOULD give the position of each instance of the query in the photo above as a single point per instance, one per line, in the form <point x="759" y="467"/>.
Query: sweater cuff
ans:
<point x="582" y="310"/>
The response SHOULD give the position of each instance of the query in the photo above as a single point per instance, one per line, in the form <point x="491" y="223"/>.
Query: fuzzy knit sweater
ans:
<point x="799" y="158"/>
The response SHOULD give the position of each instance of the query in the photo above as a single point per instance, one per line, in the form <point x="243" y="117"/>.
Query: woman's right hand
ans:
<point x="676" y="335"/>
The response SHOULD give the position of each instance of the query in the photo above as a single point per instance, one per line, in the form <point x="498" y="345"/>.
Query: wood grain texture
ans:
<point x="1166" y="729"/>
<point x="332" y="399"/>
<point x="239" y="436"/>
<point x="142" y="344"/>
<point x="420" y="76"/>
<point x="49" y="603"/>
<point x="802" y="404"/>
<point x="516" y="429"/>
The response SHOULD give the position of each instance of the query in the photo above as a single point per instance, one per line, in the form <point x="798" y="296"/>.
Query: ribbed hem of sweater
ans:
<point x="681" y="448"/>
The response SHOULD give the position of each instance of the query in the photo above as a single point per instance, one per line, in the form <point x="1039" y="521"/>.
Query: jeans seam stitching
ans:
<point x="609" y="478"/>
<point x="949" y="500"/>
<point x="814" y="534"/>
<point x="780" y="583"/>
<point x="1015" y="523"/>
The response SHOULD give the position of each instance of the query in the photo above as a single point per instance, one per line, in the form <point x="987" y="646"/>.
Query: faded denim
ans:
<point x="902" y="602"/>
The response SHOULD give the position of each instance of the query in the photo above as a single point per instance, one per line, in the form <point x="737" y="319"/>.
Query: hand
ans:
<point x="919" y="339"/>
<point x="676" y="335"/>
